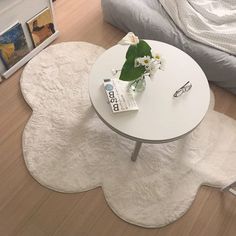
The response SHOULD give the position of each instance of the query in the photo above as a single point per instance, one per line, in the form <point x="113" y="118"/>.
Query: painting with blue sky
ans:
<point x="13" y="45"/>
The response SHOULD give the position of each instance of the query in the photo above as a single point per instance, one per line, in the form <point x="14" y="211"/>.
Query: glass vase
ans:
<point x="138" y="85"/>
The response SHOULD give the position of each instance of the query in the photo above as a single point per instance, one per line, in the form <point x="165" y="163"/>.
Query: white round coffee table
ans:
<point x="161" y="117"/>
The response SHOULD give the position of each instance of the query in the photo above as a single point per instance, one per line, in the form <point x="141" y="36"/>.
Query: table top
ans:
<point x="161" y="117"/>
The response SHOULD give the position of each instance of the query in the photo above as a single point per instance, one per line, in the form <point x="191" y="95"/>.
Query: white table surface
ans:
<point x="161" y="117"/>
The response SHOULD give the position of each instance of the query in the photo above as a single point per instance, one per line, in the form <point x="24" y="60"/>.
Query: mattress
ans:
<point x="149" y="20"/>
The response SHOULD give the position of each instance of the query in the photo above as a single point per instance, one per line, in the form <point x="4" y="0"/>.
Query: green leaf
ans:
<point x="129" y="72"/>
<point x="131" y="52"/>
<point x="143" y="49"/>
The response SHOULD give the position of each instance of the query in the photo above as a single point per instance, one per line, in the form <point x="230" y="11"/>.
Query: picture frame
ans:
<point x="41" y="26"/>
<point x="13" y="45"/>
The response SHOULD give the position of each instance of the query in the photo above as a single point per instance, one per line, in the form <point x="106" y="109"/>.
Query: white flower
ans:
<point x="129" y="39"/>
<point x="153" y="67"/>
<point x="162" y="64"/>
<point x="137" y="62"/>
<point x="156" y="56"/>
<point x="144" y="61"/>
<point x="151" y="64"/>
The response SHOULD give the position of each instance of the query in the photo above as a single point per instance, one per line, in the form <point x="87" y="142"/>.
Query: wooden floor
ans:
<point x="28" y="209"/>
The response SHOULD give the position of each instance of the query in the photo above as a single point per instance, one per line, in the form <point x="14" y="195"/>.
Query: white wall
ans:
<point x="12" y="11"/>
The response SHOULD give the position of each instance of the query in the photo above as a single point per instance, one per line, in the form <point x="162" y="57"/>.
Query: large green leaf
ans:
<point x="129" y="72"/>
<point x="131" y="52"/>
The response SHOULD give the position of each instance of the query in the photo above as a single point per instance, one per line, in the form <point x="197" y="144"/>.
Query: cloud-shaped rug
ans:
<point x="67" y="148"/>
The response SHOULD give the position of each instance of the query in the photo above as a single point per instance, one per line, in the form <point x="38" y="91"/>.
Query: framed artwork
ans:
<point x="13" y="45"/>
<point x="41" y="26"/>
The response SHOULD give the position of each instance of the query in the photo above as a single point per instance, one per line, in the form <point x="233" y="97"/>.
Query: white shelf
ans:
<point x="21" y="11"/>
<point x="30" y="55"/>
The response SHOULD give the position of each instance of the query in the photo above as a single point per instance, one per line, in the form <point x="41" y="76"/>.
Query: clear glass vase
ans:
<point x="138" y="85"/>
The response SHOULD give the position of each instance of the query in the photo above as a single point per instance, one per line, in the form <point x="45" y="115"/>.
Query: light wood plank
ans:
<point x="101" y="226"/>
<point x="11" y="155"/>
<point x="31" y="230"/>
<point x="84" y="215"/>
<point x="52" y="213"/>
<point x="21" y="206"/>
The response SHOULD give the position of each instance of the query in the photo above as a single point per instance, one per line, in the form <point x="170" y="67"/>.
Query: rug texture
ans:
<point x="67" y="148"/>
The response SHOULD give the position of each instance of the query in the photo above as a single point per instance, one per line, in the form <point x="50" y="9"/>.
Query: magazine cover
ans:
<point x="41" y="27"/>
<point x="13" y="45"/>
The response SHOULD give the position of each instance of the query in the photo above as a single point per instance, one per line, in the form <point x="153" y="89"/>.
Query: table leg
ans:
<point x="136" y="151"/>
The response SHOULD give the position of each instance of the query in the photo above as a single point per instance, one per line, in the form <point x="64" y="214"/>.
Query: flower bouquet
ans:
<point x="140" y="62"/>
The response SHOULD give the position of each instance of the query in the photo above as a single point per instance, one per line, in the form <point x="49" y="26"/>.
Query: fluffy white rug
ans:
<point x="67" y="148"/>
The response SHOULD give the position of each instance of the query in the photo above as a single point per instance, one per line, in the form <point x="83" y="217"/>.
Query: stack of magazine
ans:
<point x="119" y="96"/>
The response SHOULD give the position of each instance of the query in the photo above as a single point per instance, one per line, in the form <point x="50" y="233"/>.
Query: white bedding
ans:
<point x="212" y="22"/>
